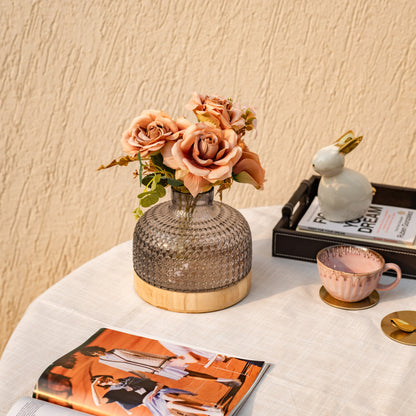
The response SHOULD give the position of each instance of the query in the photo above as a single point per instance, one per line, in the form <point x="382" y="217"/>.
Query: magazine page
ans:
<point x="27" y="406"/>
<point x="115" y="373"/>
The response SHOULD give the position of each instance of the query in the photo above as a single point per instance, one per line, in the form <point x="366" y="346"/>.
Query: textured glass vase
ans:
<point x="192" y="254"/>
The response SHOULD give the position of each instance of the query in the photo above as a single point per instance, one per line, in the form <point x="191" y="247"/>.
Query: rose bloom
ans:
<point x="203" y="156"/>
<point x="228" y="114"/>
<point x="150" y="131"/>
<point x="248" y="169"/>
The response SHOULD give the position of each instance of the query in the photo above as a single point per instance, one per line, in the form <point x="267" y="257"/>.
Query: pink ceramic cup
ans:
<point x="351" y="273"/>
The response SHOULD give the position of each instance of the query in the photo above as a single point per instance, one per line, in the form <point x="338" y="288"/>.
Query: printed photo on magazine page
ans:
<point x="116" y="373"/>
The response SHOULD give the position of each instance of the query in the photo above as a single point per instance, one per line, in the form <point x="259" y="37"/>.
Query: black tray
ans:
<point x="293" y="244"/>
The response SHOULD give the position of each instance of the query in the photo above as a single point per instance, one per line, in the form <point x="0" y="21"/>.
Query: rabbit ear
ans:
<point x="347" y="142"/>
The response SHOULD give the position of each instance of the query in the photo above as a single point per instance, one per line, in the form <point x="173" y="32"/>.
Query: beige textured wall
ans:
<point x="74" y="73"/>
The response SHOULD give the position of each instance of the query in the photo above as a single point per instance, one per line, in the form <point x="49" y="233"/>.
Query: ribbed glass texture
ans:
<point x="192" y="244"/>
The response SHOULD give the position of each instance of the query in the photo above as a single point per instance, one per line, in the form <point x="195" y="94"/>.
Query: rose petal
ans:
<point x="195" y="184"/>
<point x="196" y="102"/>
<point x="168" y="122"/>
<point x="153" y="147"/>
<point x="231" y="136"/>
<point x="195" y="169"/>
<point x="232" y="157"/>
<point x="235" y="116"/>
<point x="196" y="156"/>
<point x="182" y="123"/>
<point x="144" y="119"/>
<point x="206" y="148"/>
<point x="168" y="159"/>
<point x="249" y="170"/>
<point x="225" y="124"/>
<point x="178" y="154"/>
<point x="141" y="139"/>
<point x="130" y="149"/>
<point x="220" y="173"/>
<point x="189" y="137"/>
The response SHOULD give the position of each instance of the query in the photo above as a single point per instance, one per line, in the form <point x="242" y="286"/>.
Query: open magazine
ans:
<point x="115" y="373"/>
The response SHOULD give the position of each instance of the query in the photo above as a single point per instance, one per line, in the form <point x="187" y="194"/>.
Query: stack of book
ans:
<point x="384" y="224"/>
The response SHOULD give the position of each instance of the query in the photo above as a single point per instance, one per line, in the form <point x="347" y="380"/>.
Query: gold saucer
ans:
<point x="396" y="334"/>
<point x="366" y="303"/>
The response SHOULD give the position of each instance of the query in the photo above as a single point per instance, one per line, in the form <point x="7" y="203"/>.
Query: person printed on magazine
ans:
<point x="137" y="362"/>
<point x="131" y="392"/>
<point x="192" y="355"/>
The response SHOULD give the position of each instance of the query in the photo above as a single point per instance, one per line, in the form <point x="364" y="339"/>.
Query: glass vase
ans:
<point x="192" y="254"/>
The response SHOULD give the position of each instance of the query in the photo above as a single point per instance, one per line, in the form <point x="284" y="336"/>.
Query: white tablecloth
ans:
<point x="325" y="361"/>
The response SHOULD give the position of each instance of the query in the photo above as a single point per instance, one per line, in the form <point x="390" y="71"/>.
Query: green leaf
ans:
<point x="169" y="170"/>
<point x="174" y="182"/>
<point x="160" y="190"/>
<point x="163" y="181"/>
<point x="154" y="183"/>
<point x="138" y="213"/>
<point x="146" y="180"/>
<point x="149" y="200"/>
<point x="143" y="194"/>
<point x="157" y="159"/>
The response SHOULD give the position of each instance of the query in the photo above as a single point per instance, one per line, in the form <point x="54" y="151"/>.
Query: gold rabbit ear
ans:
<point x="348" y="142"/>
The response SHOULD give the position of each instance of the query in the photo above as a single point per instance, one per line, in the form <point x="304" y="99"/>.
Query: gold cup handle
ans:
<point x="398" y="271"/>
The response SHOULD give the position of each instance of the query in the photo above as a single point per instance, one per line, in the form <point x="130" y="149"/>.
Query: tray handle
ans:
<point x="297" y="204"/>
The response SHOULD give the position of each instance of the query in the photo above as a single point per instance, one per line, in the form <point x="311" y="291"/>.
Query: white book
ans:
<point x="381" y="223"/>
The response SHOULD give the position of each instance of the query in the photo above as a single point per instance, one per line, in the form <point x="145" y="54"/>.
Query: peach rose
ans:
<point x="203" y="156"/>
<point x="150" y="131"/>
<point x="249" y="170"/>
<point x="217" y="110"/>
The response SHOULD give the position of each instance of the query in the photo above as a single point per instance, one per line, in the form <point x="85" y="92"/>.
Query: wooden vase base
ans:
<point x="192" y="302"/>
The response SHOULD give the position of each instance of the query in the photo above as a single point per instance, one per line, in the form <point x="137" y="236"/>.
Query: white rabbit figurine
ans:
<point x="343" y="193"/>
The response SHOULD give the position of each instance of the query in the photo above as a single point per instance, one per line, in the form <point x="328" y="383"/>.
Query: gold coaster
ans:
<point x="395" y="333"/>
<point x="366" y="303"/>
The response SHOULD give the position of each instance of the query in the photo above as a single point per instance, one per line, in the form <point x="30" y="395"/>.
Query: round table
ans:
<point x="324" y="360"/>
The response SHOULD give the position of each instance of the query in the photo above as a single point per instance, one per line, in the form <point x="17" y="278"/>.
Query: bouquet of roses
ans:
<point x="192" y="157"/>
